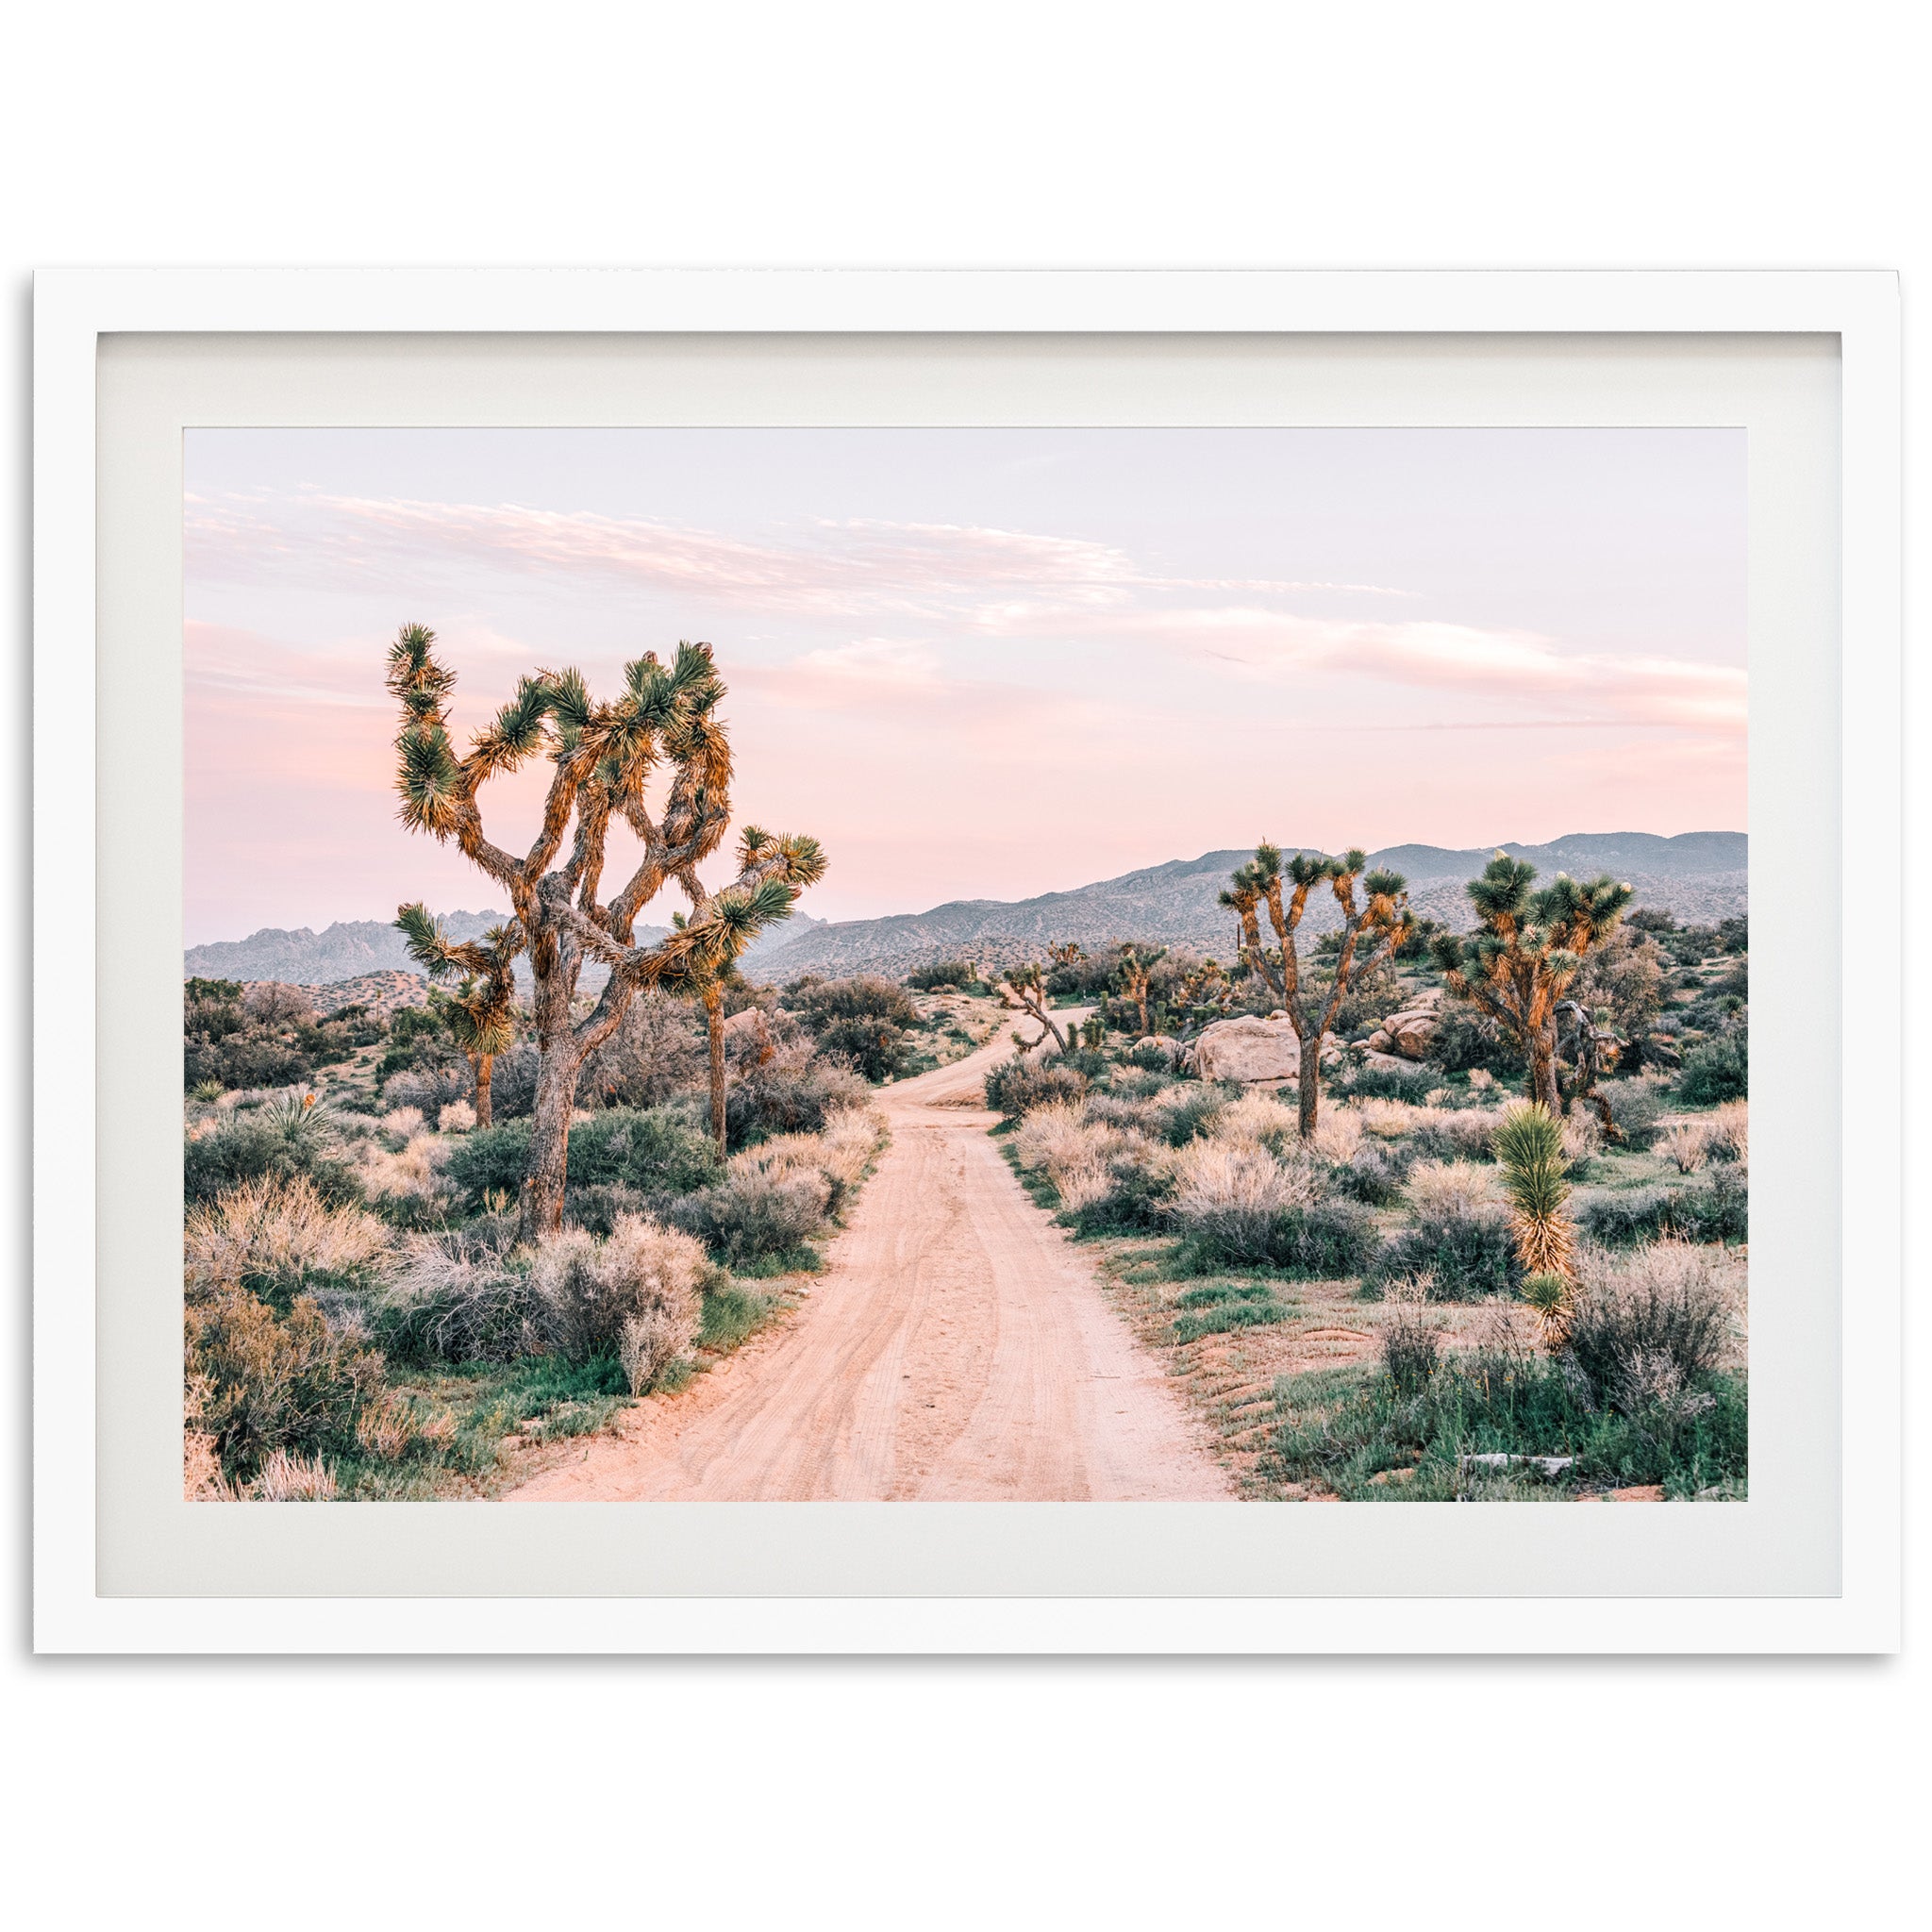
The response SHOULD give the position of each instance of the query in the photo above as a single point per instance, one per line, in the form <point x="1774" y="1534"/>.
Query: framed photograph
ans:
<point x="966" y="961"/>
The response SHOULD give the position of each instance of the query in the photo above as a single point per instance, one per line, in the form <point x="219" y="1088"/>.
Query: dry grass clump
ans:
<point x="636" y="1294"/>
<point x="1730" y="1131"/>
<point x="1582" y="1137"/>
<point x="458" y="1296"/>
<point x="275" y="1232"/>
<point x="392" y="1427"/>
<point x="1451" y="1186"/>
<point x="1457" y="1133"/>
<point x="1338" y="1134"/>
<point x="1219" y="1177"/>
<point x="287" y="1478"/>
<point x="1388" y="1120"/>
<point x="839" y="1156"/>
<point x="1259" y="1119"/>
<point x="1686" y="1145"/>
<point x="1652" y="1321"/>
<point x="455" y="1117"/>
<point x="413" y="1178"/>
<point x="403" y="1123"/>
<point x="1410" y="1342"/>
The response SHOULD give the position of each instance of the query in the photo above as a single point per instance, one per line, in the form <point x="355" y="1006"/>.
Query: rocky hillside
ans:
<point x="352" y="948"/>
<point x="1701" y="876"/>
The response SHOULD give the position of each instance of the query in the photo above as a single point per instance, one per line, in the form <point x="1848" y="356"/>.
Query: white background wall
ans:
<point x="998" y="136"/>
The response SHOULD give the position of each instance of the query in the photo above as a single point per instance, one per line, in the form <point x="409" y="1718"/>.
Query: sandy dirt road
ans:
<point x="957" y="1348"/>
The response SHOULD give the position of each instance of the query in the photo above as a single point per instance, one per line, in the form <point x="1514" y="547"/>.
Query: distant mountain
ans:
<point x="351" y="948"/>
<point x="345" y="950"/>
<point x="1701" y="876"/>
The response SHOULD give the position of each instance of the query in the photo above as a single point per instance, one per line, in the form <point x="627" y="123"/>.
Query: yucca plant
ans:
<point x="602" y="756"/>
<point x="1529" y="1149"/>
<point x="481" y="1012"/>
<point x="1528" y="947"/>
<point x="732" y="919"/>
<point x="1371" y="932"/>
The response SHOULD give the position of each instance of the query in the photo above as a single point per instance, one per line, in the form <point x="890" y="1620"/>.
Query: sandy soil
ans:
<point x="957" y="1348"/>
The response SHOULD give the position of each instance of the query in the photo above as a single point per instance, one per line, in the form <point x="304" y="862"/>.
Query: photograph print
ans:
<point x="965" y="964"/>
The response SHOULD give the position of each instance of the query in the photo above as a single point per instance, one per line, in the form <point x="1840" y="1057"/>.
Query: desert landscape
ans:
<point x="702" y="1163"/>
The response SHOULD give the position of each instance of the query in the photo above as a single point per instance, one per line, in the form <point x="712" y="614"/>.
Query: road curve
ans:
<point x="957" y="1348"/>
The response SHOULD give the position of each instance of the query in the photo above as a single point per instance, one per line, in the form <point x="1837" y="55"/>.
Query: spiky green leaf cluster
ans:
<point x="1529" y="1148"/>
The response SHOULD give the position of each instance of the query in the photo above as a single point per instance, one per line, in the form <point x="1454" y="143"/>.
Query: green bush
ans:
<point x="260" y="1382"/>
<point x="1718" y="1210"/>
<point x="1412" y="1084"/>
<point x="1323" y="1242"/>
<point x="1471" y="1256"/>
<point x="270" y="1140"/>
<point x="654" y="1150"/>
<point x="942" y="973"/>
<point x="1135" y="1202"/>
<point x="778" y="1099"/>
<point x="1719" y="1070"/>
<point x="874" y="1046"/>
<point x="1016" y="1087"/>
<point x="755" y="1219"/>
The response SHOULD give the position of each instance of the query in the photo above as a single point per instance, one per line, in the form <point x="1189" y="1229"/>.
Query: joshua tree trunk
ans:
<point x="483" y="1065"/>
<point x="714" y="1026"/>
<point x="1310" y="1098"/>
<point x="540" y="1205"/>
<point x="1542" y="1068"/>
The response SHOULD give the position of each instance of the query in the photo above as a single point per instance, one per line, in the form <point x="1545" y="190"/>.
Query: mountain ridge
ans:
<point x="1701" y="877"/>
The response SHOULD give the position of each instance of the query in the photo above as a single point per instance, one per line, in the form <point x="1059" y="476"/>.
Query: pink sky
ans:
<point x="977" y="664"/>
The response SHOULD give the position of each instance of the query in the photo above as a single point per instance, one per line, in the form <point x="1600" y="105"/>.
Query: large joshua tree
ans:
<point x="1519" y="963"/>
<point x="1371" y="929"/>
<point x="603" y="756"/>
<point x="482" y="1012"/>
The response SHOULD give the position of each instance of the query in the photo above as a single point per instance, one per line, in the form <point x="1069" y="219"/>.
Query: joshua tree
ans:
<point x="1371" y="932"/>
<point x="1131" y="970"/>
<point x="739" y="921"/>
<point x="1023" y="990"/>
<point x="481" y="1012"/>
<point x="1529" y="1149"/>
<point x="602" y="756"/>
<point x="1520" y="962"/>
<point x="1205" y="994"/>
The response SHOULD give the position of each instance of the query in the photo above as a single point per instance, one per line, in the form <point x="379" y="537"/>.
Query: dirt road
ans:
<point x="956" y="1349"/>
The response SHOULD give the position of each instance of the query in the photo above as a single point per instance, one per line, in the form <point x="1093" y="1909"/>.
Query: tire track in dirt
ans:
<point x="957" y="1348"/>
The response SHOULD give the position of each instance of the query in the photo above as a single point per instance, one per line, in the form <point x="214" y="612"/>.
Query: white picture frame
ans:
<point x="76" y="309"/>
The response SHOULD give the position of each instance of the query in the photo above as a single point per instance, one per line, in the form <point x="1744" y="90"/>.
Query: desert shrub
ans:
<point x="660" y="1149"/>
<point x="513" y="1082"/>
<point x="489" y="1161"/>
<point x="1338" y="1135"/>
<point x="1260" y="1118"/>
<point x="410" y="1186"/>
<point x="1686" y="1144"/>
<point x="462" y="1295"/>
<point x="1375" y="1174"/>
<point x="875" y="1046"/>
<point x="455" y="1117"/>
<point x="1636" y="1107"/>
<point x="1631" y="1214"/>
<point x="634" y="1295"/>
<point x="1128" y="1199"/>
<point x="1466" y="1254"/>
<point x="597" y="1210"/>
<point x="1650" y="1325"/>
<point x="732" y="1313"/>
<point x="1411" y="1084"/>
<point x="263" y="1382"/>
<point x="658" y="1051"/>
<point x="282" y="1138"/>
<point x="1238" y="1207"/>
<point x="1719" y="1070"/>
<point x="1409" y="1343"/>
<point x="1718" y="1210"/>
<point x="1728" y="1132"/>
<point x="430" y="1089"/>
<point x="277" y="1236"/>
<point x="942" y="973"/>
<point x="789" y="1097"/>
<point x="1469" y="1041"/>
<point x="753" y="1221"/>
<point x="1451" y="1186"/>
<point x="839" y="1156"/>
<point x="865" y="996"/>
<point x="1016" y="1087"/>
<point x="1153" y="1054"/>
<point x="1188" y="1112"/>
<point x="1465" y="1133"/>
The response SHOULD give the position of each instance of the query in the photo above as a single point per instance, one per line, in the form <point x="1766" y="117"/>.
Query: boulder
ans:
<point x="1388" y="1062"/>
<point x="1248" y="1050"/>
<point x="1378" y="1042"/>
<point x="1412" y="1034"/>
